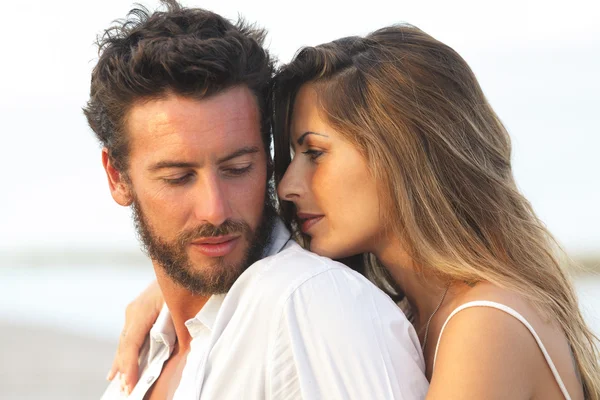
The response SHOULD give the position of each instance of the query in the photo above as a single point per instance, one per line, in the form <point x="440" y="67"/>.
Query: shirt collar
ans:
<point x="162" y="333"/>
<point x="206" y="316"/>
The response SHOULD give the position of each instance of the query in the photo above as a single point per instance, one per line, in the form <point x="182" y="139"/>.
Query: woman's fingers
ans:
<point x="130" y="344"/>
<point x="140" y="316"/>
<point x="113" y="369"/>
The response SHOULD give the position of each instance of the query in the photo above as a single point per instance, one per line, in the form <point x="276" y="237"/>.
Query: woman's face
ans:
<point x="328" y="181"/>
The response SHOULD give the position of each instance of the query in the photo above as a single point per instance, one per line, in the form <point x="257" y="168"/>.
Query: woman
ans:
<point x="398" y="156"/>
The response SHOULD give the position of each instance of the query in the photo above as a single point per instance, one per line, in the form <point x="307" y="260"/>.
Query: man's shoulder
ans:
<point x="295" y="260"/>
<point x="293" y="266"/>
<point x="295" y="273"/>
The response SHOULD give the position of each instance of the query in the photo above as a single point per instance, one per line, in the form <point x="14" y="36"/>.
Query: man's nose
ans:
<point x="212" y="202"/>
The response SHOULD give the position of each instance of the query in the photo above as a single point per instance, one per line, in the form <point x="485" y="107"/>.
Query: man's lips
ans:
<point x="218" y="246"/>
<point x="308" y="220"/>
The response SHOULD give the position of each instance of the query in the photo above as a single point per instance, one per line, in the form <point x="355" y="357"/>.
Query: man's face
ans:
<point x="197" y="177"/>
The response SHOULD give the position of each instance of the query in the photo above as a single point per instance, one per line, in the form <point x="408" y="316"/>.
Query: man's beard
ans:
<point x="205" y="279"/>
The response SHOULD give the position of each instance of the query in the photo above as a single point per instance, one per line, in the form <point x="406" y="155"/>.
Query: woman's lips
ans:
<point x="308" y="220"/>
<point x="215" y="246"/>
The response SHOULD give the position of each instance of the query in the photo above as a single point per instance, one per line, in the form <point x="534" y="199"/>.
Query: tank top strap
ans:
<point x="513" y="313"/>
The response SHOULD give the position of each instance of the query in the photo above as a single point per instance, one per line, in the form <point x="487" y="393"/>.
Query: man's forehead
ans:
<point x="230" y="106"/>
<point x="175" y="123"/>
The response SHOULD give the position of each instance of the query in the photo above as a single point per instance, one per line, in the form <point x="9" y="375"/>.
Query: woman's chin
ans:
<point x="320" y="249"/>
<point x="329" y="251"/>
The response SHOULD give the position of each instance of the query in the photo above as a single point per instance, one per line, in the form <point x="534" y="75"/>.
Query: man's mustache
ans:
<point x="209" y="230"/>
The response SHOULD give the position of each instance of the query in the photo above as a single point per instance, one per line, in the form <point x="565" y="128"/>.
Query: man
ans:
<point x="178" y="100"/>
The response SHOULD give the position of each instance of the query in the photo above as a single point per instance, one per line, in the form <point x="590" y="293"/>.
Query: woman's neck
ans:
<point x="422" y="289"/>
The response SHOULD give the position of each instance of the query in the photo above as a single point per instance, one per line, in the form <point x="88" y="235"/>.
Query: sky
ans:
<point x="537" y="62"/>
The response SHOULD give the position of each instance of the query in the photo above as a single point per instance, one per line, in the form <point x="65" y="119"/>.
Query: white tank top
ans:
<point x="510" y="311"/>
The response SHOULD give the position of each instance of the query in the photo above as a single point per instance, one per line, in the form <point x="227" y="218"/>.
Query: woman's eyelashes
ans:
<point x="313" y="154"/>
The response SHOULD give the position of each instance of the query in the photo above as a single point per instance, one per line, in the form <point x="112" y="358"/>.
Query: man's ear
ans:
<point x="119" y="189"/>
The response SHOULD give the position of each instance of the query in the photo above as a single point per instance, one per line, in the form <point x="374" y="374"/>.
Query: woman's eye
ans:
<point x="313" y="154"/>
<point x="178" y="181"/>
<point x="238" y="171"/>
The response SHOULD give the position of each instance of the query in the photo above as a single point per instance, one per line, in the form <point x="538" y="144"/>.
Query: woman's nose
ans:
<point x="290" y="187"/>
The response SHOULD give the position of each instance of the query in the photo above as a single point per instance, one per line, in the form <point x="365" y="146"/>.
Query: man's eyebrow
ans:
<point x="238" y="153"/>
<point x="172" y="164"/>
<point x="305" y="134"/>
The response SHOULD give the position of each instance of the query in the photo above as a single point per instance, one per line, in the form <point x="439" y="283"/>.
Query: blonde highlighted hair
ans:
<point x="442" y="158"/>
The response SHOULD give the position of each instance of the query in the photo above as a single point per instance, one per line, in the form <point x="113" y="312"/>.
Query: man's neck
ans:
<point x="182" y="304"/>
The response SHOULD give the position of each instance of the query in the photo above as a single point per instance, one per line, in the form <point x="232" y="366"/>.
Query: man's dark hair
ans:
<point x="190" y="52"/>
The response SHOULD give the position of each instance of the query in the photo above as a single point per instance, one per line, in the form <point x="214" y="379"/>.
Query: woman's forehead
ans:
<point x="306" y="114"/>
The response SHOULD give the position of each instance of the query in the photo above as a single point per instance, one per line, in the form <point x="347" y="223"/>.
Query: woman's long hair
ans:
<point x="441" y="156"/>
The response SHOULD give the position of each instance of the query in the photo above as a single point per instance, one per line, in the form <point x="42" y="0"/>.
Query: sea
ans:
<point x="90" y="300"/>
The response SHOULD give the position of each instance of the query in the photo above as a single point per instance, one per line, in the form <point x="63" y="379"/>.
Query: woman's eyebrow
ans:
<point x="301" y="138"/>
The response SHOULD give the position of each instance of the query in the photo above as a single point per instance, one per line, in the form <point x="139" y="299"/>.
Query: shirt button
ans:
<point x="149" y="380"/>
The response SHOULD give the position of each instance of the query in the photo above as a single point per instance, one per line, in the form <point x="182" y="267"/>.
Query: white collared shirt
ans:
<point x="293" y="326"/>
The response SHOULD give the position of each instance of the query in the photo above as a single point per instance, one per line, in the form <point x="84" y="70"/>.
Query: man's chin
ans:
<point x="206" y="279"/>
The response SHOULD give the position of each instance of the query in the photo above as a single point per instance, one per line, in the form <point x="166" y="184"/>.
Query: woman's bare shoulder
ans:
<point x="493" y="353"/>
<point x="484" y="353"/>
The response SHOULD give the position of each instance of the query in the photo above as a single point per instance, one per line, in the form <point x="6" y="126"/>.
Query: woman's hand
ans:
<point x="140" y="315"/>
